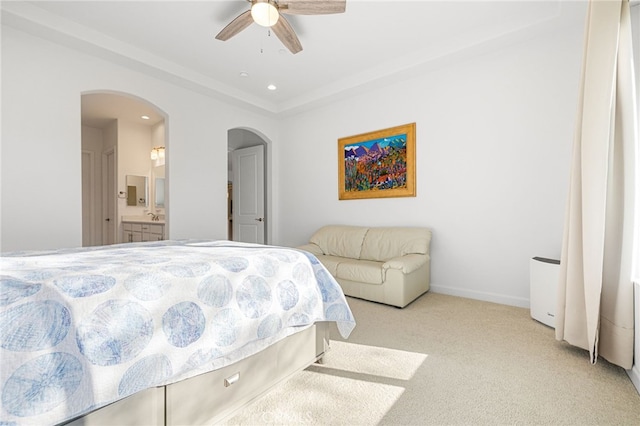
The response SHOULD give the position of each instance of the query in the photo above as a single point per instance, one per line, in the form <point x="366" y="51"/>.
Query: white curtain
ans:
<point x="595" y="295"/>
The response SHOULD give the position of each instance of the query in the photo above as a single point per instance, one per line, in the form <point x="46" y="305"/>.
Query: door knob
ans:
<point x="107" y="220"/>
<point x="259" y="219"/>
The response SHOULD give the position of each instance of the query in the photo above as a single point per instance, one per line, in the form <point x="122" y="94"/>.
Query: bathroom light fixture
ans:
<point x="264" y="13"/>
<point x="272" y="87"/>
<point x="144" y="117"/>
<point x="157" y="154"/>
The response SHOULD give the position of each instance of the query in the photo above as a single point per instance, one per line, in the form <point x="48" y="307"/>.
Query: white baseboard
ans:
<point x="502" y="299"/>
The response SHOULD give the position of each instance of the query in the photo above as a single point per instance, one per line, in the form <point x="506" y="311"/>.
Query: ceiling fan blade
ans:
<point x="312" y="7"/>
<point x="287" y="36"/>
<point x="241" y="22"/>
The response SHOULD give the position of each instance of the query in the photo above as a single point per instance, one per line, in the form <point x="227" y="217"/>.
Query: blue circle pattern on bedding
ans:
<point x="42" y="383"/>
<point x="114" y="320"/>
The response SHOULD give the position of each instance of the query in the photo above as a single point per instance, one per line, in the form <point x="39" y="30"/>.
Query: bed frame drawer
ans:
<point x="212" y="390"/>
<point x="257" y="374"/>
<point x="143" y="408"/>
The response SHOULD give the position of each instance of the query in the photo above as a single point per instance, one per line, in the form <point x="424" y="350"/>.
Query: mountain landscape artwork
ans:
<point x="378" y="164"/>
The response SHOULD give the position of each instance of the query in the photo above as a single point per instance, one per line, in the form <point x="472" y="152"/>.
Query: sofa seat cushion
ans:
<point x="365" y="271"/>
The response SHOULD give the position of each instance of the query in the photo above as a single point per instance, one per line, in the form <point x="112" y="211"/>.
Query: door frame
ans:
<point x="89" y="214"/>
<point x="109" y="197"/>
<point x="245" y="137"/>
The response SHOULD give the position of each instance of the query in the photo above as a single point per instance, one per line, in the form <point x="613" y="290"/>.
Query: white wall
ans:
<point x="494" y="136"/>
<point x="42" y="83"/>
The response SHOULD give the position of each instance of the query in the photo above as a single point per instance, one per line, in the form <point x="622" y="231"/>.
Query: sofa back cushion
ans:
<point x="340" y="240"/>
<point x="384" y="243"/>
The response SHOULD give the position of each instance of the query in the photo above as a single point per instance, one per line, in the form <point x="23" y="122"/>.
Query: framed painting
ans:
<point x="378" y="164"/>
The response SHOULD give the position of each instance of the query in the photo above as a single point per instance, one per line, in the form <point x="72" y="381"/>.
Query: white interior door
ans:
<point x="248" y="194"/>
<point x="109" y="197"/>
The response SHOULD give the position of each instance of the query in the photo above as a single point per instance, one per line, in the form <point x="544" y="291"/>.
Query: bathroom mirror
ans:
<point x="158" y="183"/>
<point x="136" y="191"/>
<point x="159" y="195"/>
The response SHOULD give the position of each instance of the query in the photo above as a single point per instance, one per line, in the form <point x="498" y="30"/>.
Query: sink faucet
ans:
<point x="154" y="217"/>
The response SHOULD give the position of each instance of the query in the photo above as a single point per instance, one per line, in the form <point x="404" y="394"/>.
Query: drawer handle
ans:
<point x="231" y="380"/>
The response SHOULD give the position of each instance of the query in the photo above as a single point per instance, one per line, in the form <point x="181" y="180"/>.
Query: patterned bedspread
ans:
<point x="82" y="328"/>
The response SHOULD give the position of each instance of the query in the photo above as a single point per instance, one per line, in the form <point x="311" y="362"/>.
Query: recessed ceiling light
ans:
<point x="272" y="87"/>
<point x="244" y="74"/>
<point x="145" y="117"/>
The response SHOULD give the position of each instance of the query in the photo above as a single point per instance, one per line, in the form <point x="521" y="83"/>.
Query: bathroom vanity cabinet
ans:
<point x="142" y="231"/>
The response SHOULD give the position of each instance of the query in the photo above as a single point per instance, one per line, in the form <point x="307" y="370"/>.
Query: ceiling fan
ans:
<point x="268" y="13"/>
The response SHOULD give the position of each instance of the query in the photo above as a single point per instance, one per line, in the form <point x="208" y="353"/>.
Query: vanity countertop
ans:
<point x="142" y="219"/>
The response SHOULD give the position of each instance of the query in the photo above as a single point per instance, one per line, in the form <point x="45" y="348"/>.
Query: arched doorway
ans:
<point x="119" y="132"/>
<point x="249" y="191"/>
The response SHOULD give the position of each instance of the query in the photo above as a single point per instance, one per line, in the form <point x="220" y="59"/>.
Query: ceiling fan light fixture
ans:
<point x="267" y="13"/>
<point x="264" y="13"/>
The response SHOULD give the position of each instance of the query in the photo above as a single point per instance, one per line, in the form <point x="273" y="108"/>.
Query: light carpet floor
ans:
<point x="446" y="360"/>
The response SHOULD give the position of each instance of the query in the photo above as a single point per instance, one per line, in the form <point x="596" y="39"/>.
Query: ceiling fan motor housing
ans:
<point x="264" y="12"/>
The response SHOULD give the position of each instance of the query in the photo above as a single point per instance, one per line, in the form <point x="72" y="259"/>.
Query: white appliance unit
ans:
<point x="544" y="275"/>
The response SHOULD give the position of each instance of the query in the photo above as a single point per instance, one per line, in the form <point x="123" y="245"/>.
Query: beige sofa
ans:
<point x="389" y="265"/>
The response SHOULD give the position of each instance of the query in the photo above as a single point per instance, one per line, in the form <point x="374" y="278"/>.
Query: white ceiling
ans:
<point x="100" y="109"/>
<point x="372" y="43"/>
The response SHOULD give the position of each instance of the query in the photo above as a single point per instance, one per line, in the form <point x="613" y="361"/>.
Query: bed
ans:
<point x="170" y="332"/>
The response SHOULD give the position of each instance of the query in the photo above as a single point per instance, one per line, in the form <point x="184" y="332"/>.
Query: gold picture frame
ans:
<point x="378" y="164"/>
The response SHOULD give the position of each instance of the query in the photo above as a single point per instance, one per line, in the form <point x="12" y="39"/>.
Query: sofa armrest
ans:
<point x="407" y="263"/>
<point x="312" y="248"/>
